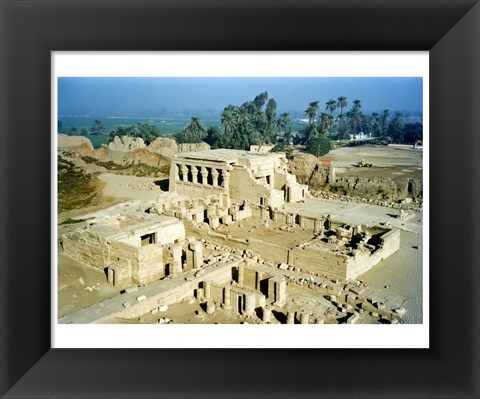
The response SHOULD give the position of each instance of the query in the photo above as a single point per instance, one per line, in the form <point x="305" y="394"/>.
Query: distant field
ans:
<point x="395" y="161"/>
<point x="165" y="125"/>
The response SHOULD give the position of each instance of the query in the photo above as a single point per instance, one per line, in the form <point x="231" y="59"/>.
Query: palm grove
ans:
<point x="256" y="122"/>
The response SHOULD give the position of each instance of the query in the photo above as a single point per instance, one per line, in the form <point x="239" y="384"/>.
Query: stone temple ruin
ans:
<point x="225" y="236"/>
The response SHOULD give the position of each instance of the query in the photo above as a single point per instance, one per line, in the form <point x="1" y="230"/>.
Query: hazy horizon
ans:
<point x="157" y="96"/>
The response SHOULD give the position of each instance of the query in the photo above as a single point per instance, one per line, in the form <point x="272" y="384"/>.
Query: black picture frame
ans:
<point x="30" y="30"/>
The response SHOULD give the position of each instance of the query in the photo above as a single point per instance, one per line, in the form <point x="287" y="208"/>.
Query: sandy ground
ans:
<point x="394" y="161"/>
<point x="402" y="273"/>
<point x="130" y="187"/>
<point x="73" y="280"/>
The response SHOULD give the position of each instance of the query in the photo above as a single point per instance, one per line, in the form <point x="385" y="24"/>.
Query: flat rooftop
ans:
<point x="225" y="155"/>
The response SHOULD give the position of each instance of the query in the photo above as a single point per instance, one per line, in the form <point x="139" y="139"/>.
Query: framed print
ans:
<point x="280" y="277"/>
<point x="34" y="365"/>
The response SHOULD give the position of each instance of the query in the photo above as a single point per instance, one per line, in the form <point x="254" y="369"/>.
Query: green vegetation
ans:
<point x="76" y="189"/>
<point x="318" y="146"/>
<point x="137" y="169"/>
<point x="143" y="130"/>
<point x="194" y="132"/>
<point x="97" y="128"/>
<point x="255" y="122"/>
<point x="283" y="147"/>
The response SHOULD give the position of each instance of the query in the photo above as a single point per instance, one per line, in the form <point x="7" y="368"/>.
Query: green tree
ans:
<point x="412" y="132"/>
<point x="385" y="116"/>
<point x="325" y="123"/>
<point x="147" y="132"/>
<point x="354" y="116"/>
<point x="331" y="106"/>
<point x="213" y="135"/>
<point x="83" y="131"/>
<point x="376" y="125"/>
<point x="395" y="128"/>
<point x="311" y="111"/>
<point x="318" y="146"/>
<point x="342" y="132"/>
<point x="97" y="128"/>
<point x="282" y="122"/>
<point x="270" y="113"/>
<point x="194" y="132"/>
<point x="342" y="103"/>
<point x="308" y="133"/>
<point x="260" y="100"/>
<point x="73" y="130"/>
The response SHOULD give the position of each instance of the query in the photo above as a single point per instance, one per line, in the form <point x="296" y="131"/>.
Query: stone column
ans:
<point x="215" y="175"/>
<point x="275" y="216"/>
<point x="184" y="173"/>
<point x="227" y="297"/>
<point x="176" y="253"/>
<point x="240" y="275"/>
<point x="175" y="172"/>
<point x="210" y="307"/>
<point x="204" y="173"/>
<point x="197" y="248"/>
<point x="226" y="178"/>
<point x="280" y="291"/>
<point x="290" y="317"/>
<point x="290" y="257"/>
<point x="194" y="174"/>
<point x="318" y="226"/>
<point x="249" y="303"/>
<point x="290" y="218"/>
<point x="304" y="318"/>
<point x="266" y="314"/>
<point x="207" y="285"/>
<point x="302" y="221"/>
<point x="264" y="213"/>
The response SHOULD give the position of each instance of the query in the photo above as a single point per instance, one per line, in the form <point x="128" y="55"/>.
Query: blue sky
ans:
<point x="140" y="95"/>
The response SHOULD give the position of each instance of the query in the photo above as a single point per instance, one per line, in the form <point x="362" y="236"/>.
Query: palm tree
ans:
<point x="342" y="103"/>
<point x="97" y="127"/>
<point x="355" y="117"/>
<point x="331" y="106"/>
<point x="228" y="117"/>
<point x="311" y="111"/>
<point x="376" y="124"/>
<point x="357" y="104"/>
<point x="283" y="121"/>
<point x="385" y="116"/>
<point x="326" y="123"/>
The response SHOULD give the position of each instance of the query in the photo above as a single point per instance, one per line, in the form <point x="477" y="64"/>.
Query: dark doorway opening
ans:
<point x="148" y="239"/>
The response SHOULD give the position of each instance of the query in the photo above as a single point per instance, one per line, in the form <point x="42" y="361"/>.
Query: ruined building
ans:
<point x="217" y="189"/>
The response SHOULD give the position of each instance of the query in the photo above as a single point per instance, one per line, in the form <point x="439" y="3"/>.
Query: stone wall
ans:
<point x="362" y="261"/>
<point x="316" y="260"/>
<point x="377" y="188"/>
<point x="85" y="248"/>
